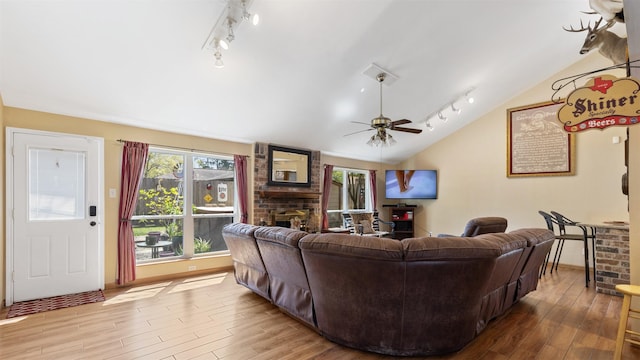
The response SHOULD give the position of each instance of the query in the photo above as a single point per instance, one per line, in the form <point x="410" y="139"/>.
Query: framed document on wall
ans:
<point x="537" y="144"/>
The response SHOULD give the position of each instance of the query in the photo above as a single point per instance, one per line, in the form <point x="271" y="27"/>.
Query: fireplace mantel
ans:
<point x="287" y="194"/>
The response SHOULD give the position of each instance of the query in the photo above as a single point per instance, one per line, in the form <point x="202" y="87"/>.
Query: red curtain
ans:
<point x="374" y="191"/>
<point x="326" y="189"/>
<point x="134" y="157"/>
<point x="240" y="166"/>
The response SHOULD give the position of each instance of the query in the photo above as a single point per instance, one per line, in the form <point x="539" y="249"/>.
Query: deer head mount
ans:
<point x="599" y="37"/>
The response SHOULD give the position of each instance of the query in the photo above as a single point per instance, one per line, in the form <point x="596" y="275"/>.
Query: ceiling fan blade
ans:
<point x="409" y="130"/>
<point x="400" y="122"/>
<point x="357" y="132"/>
<point x="360" y="122"/>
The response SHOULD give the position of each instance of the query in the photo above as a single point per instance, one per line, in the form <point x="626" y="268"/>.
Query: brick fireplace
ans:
<point x="282" y="200"/>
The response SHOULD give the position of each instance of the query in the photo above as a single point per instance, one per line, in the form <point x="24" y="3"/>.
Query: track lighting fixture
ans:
<point x="254" y="18"/>
<point x="449" y="108"/>
<point x="223" y="32"/>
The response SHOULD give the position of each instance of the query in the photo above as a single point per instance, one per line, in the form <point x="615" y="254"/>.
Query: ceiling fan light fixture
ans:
<point x="381" y="138"/>
<point x="375" y="141"/>
<point x="382" y="124"/>
<point x="390" y="140"/>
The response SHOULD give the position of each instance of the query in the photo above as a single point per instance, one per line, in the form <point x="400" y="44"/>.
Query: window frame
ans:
<point x="345" y="194"/>
<point x="188" y="217"/>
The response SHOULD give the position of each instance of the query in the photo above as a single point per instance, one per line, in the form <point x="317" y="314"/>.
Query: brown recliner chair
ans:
<point x="482" y="225"/>
<point x="288" y="282"/>
<point x="248" y="267"/>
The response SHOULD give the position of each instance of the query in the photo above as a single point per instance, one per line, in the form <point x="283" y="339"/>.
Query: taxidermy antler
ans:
<point x="609" y="44"/>
<point x="610" y="10"/>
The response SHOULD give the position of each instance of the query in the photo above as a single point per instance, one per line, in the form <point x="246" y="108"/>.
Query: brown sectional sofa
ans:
<point x="418" y="296"/>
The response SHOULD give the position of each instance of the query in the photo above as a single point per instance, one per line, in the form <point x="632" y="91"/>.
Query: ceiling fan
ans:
<point x="382" y="123"/>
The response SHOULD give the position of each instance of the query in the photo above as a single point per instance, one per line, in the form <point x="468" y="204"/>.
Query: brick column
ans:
<point x="612" y="258"/>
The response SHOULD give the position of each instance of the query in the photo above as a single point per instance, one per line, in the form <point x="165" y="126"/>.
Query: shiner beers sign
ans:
<point x="604" y="101"/>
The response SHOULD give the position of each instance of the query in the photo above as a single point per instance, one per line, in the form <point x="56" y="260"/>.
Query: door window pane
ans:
<point x="56" y="184"/>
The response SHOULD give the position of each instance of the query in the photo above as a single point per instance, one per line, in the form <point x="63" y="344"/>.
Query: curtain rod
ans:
<point x="169" y="147"/>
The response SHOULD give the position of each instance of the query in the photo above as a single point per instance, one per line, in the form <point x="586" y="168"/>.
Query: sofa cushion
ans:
<point x="444" y="248"/>
<point x="349" y="245"/>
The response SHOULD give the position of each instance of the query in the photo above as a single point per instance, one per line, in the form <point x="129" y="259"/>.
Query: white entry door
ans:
<point x="54" y="214"/>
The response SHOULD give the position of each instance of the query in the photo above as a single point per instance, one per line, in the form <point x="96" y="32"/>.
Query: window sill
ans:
<point x="170" y="260"/>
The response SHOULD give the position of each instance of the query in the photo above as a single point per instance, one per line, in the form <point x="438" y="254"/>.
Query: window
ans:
<point x="350" y="191"/>
<point x="184" y="201"/>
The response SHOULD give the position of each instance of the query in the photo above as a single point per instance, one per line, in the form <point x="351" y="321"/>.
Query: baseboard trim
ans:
<point x="569" y="266"/>
<point x="166" y="277"/>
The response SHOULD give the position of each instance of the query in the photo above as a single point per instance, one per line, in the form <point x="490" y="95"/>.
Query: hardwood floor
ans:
<point x="210" y="317"/>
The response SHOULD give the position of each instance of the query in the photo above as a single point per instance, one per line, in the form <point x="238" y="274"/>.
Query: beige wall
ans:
<point x="473" y="181"/>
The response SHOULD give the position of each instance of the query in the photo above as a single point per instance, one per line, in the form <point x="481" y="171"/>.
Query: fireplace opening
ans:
<point x="290" y="218"/>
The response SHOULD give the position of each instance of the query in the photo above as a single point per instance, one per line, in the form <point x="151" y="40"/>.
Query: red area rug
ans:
<point x="53" y="303"/>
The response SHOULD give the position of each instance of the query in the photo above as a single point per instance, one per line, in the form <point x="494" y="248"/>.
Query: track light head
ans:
<point x="218" y="63"/>
<point x="223" y="44"/>
<point x="470" y="98"/>
<point x="253" y="18"/>
<point x="455" y="110"/>
<point x="442" y="117"/>
<point x="230" y="35"/>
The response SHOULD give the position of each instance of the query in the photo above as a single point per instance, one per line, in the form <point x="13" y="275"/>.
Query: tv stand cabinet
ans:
<point x="402" y="217"/>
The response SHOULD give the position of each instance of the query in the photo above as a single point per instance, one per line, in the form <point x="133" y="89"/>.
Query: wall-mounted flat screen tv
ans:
<point x="411" y="184"/>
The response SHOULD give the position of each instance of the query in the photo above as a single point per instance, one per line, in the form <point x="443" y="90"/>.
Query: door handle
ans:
<point x="93" y="223"/>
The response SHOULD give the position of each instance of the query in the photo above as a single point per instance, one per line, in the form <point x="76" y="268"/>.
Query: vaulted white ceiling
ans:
<point x="294" y="80"/>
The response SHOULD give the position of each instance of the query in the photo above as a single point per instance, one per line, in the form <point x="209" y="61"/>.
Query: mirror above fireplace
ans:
<point x="289" y="167"/>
